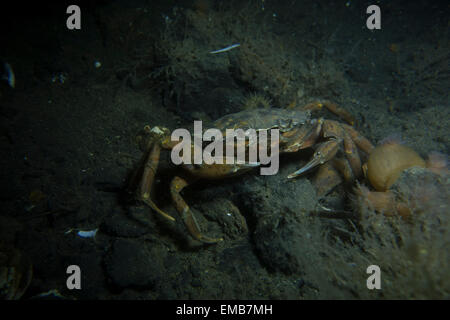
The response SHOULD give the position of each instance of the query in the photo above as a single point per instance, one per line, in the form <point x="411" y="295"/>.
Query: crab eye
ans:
<point x="285" y="123"/>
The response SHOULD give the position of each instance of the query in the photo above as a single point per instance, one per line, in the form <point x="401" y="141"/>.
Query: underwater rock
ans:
<point x="423" y="191"/>
<point x="238" y="257"/>
<point x="226" y="214"/>
<point x="277" y="207"/>
<point x="118" y="224"/>
<point x="132" y="263"/>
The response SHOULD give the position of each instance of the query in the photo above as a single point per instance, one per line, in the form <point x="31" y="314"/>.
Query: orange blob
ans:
<point x="386" y="163"/>
<point x="383" y="202"/>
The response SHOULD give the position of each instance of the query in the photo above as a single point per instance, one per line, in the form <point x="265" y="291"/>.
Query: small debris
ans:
<point x="226" y="48"/>
<point x="87" y="234"/>
<point x="83" y="234"/>
<point x="9" y="75"/>
<point x="60" y="77"/>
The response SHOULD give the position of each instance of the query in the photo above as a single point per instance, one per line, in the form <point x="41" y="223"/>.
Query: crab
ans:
<point x="335" y="147"/>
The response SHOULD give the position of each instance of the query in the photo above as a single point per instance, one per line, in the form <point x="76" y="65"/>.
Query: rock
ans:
<point x="239" y="257"/>
<point x="225" y="213"/>
<point x="424" y="191"/>
<point x="132" y="263"/>
<point x="280" y="242"/>
<point x="120" y="225"/>
<point x="278" y="206"/>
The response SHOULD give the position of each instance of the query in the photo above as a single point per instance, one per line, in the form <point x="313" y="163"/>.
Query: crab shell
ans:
<point x="282" y="119"/>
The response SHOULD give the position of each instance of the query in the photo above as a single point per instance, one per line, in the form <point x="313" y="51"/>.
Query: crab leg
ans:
<point x="352" y="155"/>
<point x="148" y="176"/>
<point x="343" y="166"/>
<point x="362" y="142"/>
<point x="176" y="186"/>
<point x="351" y="167"/>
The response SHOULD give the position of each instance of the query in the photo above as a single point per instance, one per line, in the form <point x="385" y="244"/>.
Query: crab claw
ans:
<point x="311" y="164"/>
<point x="324" y="152"/>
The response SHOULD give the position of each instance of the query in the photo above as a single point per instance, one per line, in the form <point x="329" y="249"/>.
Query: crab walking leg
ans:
<point x="176" y="186"/>
<point x="148" y="176"/>
<point x="351" y="166"/>
<point x="352" y="155"/>
<point x="362" y="142"/>
<point x="343" y="166"/>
